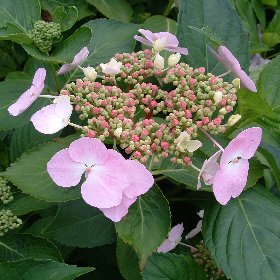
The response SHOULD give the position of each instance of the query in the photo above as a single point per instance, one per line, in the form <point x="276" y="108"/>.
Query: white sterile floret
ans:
<point x="173" y="59"/>
<point x="218" y="96"/>
<point x="118" y="132"/>
<point x="90" y="73"/>
<point x="184" y="143"/>
<point x="233" y="119"/>
<point x="111" y="68"/>
<point x="159" y="62"/>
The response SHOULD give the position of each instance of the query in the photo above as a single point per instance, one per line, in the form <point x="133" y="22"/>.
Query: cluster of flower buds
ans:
<point x="8" y="221"/>
<point x="44" y="33"/>
<point x="184" y="98"/>
<point x="202" y="256"/>
<point x="6" y="195"/>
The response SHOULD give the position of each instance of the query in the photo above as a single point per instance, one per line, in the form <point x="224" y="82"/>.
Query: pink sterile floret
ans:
<point x="112" y="183"/>
<point x="30" y="95"/>
<point x="79" y="58"/>
<point x="173" y="239"/>
<point x="233" y="65"/>
<point x="167" y="40"/>
<point x="54" y="117"/>
<point x="231" y="177"/>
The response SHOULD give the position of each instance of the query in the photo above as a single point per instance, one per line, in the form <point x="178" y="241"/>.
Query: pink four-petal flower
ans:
<point x="30" y="95"/>
<point x="233" y="65"/>
<point x="160" y="41"/>
<point x="112" y="183"/>
<point x="230" y="178"/>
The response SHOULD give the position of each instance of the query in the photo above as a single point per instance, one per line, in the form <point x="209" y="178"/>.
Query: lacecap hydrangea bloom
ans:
<point x="111" y="184"/>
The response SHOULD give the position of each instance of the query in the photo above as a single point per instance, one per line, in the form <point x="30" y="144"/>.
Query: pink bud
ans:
<point x="217" y="121"/>
<point x="205" y="120"/>
<point x="91" y="133"/>
<point x="137" y="154"/>
<point x="165" y="145"/>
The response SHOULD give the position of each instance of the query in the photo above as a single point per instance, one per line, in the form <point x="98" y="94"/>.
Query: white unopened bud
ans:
<point x="218" y="96"/>
<point x="233" y="119"/>
<point x="118" y="132"/>
<point x="90" y="73"/>
<point x="236" y="83"/>
<point x="159" y="62"/>
<point x="173" y="59"/>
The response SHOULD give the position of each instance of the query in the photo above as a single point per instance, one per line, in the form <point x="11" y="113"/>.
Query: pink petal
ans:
<point x="148" y="34"/>
<point x="178" y="50"/>
<point x="39" y="78"/>
<point x="118" y="212"/>
<point x="171" y="40"/>
<point x="245" y="80"/>
<point x="230" y="181"/>
<point x="209" y="169"/>
<point x="176" y="232"/>
<point x="244" y="145"/>
<point x="89" y="151"/>
<point x="228" y="59"/>
<point x="63" y="108"/>
<point x="141" y="180"/>
<point x="65" y="68"/>
<point x="64" y="171"/>
<point x="30" y="95"/>
<point x="46" y="120"/>
<point x="105" y="183"/>
<point x="80" y="57"/>
<point x="166" y="246"/>
<point x="195" y="231"/>
<point x="142" y="40"/>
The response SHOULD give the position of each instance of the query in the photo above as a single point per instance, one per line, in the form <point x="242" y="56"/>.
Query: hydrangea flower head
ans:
<point x="54" y="117"/>
<point x="233" y="65"/>
<point x="79" y="58"/>
<point x="173" y="239"/>
<point x="112" y="67"/>
<point x="112" y="183"/>
<point x="160" y="41"/>
<point x="30" y="95"/>
<point x="231" y="176"/>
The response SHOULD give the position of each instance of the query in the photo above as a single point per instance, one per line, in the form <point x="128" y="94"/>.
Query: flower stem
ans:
<point x="168" y="8"/>
<point x="75" y="125"/>
<point x="224" y="74"/>
<point x="194" y="167"/>
<point x="189" y="246"/>
<point x="212" y="139"/>
<point x="47" y="96"/>
<point x="162" y="177"/>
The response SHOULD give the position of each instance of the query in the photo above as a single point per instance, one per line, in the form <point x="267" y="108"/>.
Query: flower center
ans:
<point x="158" y="45"/>
<point x="235" y="160"/>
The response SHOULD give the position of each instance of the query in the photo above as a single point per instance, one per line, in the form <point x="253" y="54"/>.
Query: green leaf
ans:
<point x="260" y="12"/>
<point x="268" y="83"/>
<point x="30" y="175"/>
<point x="39" y="227"/>
<point x="66" y="50"/>
<point x="271" y="38"/>
<point x="34" y="270"/>
<point x="241" y="236"/>
<point x="172" y="267"/>
<point x="113" y="9"/>
<point x="65" y="16"/>
<point x="249" y="107"/>
<point x="10" y="91"/>
<point x="25" y="138"/>
<point x="128" y="261"/>
<point x="77" y="224"/>
<point x="160" y="23"/>
<point x="24" y="246"/>
<point x="219" y="16"/>
<point x="24" y="204"/>
<point x="82" y="7"/>
<point x="272" y="3"/>
<point x="20" y="13"/>
<point x="147" y="224"/>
